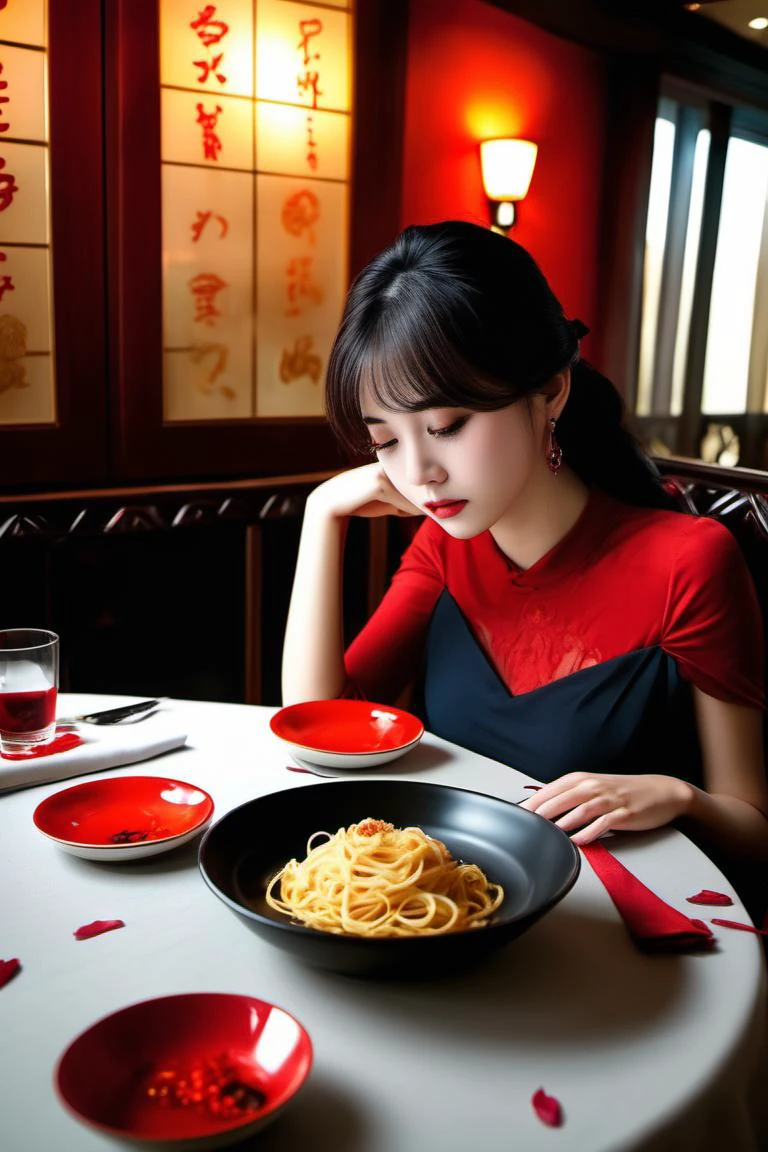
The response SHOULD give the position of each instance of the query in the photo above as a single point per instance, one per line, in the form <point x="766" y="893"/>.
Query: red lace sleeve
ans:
<point x="713" y="623"/>
<point x="386" y="655"/>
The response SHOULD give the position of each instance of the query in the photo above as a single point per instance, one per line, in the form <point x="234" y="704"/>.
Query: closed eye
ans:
<point x="376" y="448"/>
<point x="450" y="429"/>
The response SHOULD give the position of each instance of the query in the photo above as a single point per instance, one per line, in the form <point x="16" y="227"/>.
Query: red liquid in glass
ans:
<point x="27" y="711"/>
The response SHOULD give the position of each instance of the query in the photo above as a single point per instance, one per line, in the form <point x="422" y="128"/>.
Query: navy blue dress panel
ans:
<point x="631" y="714"/>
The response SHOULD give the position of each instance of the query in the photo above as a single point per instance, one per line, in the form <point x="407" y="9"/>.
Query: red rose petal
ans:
<point x="707" y="896"/>
<point x="703" y="926"/>
<point x="96" y="927"/>
<point x="547" y="1108"/>
<point x="8" y="969"/>
<point x="533" y="787"/>
<point x="741" y="927"/>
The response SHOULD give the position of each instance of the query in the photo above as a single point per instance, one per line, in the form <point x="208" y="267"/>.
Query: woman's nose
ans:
<point x="422" y="467"/>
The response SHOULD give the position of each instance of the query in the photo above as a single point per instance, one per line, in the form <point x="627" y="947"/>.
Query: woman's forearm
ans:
<point x="726" y="824"/>
<point x="313" y="649"/>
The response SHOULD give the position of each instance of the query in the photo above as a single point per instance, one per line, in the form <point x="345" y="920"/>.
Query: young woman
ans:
<point x="569" y="622"/>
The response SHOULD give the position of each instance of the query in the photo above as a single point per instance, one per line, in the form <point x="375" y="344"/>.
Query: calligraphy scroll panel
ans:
<point x="29" y="399"/>
<point x="213" y="56"/>
<point x="281" y="142"/>
<point x="27" y="110"/>
<point x="25" y="219"/>
<point x="27" y="387"/>
<point x="301" y="284"/>
<point x="215" y="131"/>
<point x="321" y="66"/>
<point x="208" y="294"/>
<point x="25" y="22"/>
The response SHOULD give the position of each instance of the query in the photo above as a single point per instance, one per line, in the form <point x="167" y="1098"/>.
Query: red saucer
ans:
<point x="124" y="810"/>
<point x="347" y="727"/>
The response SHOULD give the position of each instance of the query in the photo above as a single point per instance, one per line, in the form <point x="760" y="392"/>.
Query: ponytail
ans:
<point x="600" y="448"/>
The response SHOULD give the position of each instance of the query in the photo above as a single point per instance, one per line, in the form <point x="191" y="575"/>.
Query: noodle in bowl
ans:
<point x="531" y="859"/>
<point x="372" y="879"/>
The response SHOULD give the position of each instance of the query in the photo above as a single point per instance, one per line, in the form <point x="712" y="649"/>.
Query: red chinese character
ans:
<point x="4" y="100"/>
<point x="208" y="67"/>
<point x="300" y="361"/>
<point x="300" y="214"/>
<point x="311" y="144"/>
<point x="309" y="83"/>
<point x="300" y="285"/>
<point x="205" y="287"/>
<point x="202" y="220"/>
<point x="210" y="31"/>
<point x="221" y="353"/>
<point x="208" y="121"/>
<point x="8" y="188"/>
<point x="6" y="285"/>
<point x="309" y="28"/>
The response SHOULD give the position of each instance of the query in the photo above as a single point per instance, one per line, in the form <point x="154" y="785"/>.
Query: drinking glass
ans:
<point x="29" y="677"/>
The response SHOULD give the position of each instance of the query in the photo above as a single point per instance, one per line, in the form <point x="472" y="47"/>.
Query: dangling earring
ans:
<point x="554" y="451"/>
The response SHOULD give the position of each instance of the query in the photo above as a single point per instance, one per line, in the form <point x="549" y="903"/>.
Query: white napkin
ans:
<point x="105" y="747"/>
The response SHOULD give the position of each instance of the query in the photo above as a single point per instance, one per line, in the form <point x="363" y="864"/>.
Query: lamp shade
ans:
<point x="507" y="167"/>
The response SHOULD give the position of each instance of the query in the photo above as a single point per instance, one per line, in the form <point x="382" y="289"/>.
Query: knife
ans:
<point x="114" y="715"/>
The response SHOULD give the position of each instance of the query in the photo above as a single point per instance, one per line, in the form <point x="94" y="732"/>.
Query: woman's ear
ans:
<point x="556" y="392"/>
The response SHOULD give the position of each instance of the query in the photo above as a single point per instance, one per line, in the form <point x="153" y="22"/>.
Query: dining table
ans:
<point x="643" y="1051"/>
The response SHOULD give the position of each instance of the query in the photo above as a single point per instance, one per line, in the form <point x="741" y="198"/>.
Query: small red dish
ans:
<point x="124" y="817"/>
<point x="347" y="733"/>
<point x="191" y="1071"/>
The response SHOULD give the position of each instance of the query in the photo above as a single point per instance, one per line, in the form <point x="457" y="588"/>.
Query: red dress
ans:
<point x="624" y="584"/>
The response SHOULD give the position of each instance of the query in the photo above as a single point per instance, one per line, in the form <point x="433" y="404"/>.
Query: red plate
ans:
<point x="185" y="1068"/>
<point x="347" y="727"/>
<point x="125" y="810"/>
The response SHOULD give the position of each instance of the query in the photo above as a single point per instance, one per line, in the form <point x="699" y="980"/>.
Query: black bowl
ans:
<point x="534" y="861"/>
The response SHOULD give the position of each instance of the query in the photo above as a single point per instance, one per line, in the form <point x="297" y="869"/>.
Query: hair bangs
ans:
<point x="407" y="363"/>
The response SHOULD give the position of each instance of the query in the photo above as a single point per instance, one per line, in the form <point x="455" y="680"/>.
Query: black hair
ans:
<point x="453" y="315"/>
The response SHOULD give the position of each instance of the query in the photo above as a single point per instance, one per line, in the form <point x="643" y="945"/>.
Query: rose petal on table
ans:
<point x="741" y="927"/>
<point x="533" y="787"/>
<point x="707" y="896"/>
<point x="96" y="927"/>
<point x="705" y="928"/>
<point x="8" y="969"/>
<point x="547" y="1108"/>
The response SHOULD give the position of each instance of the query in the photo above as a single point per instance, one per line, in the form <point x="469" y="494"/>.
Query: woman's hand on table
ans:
<point x="596" y="803"/>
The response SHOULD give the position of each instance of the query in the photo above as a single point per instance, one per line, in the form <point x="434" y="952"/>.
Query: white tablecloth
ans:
<point x="644" y="1052"/>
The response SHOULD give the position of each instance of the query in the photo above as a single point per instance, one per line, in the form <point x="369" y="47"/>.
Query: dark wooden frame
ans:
<point x="50" y="518"/>
<point x="143" y="447"/>
<point x="74" y="449"/>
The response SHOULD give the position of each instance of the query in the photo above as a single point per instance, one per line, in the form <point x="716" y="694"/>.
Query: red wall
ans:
<point x="476" y="72"/>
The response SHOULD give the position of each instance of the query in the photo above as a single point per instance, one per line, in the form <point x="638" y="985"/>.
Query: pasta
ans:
<point x="372" y="879"/>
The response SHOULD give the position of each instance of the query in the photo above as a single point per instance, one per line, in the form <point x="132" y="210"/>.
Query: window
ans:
<point x="702" y="376"/>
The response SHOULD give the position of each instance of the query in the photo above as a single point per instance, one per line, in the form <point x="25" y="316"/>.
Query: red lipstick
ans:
<point x="444" y="509"/>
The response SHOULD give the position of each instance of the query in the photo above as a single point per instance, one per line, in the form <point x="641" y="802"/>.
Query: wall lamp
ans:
<point x="507" y="167"/>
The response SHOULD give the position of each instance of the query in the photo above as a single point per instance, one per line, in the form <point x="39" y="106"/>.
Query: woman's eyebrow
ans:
<point x="373" y="420"/>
